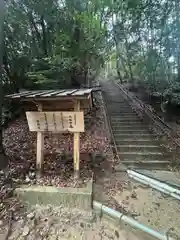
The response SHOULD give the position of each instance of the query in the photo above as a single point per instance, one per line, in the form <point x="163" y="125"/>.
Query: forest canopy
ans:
<point x="51" y="43"/>
<point x="147" y="38"/>
<point x="65" y="43"/>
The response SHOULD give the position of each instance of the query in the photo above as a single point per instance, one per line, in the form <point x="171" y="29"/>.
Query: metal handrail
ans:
<point x="165" y="128"/>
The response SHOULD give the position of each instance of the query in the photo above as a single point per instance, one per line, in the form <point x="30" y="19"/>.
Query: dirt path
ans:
<point x="149" y="207"/>
<point x="60" y="224"/>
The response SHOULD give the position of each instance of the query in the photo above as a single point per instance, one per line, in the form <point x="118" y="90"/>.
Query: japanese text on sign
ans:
<point x="55" y="121"/>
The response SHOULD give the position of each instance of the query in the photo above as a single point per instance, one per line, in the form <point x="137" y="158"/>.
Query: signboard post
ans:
<point x="40" y="149"/>
<point x="76" y="144"/>
<point x="54" y="122"/>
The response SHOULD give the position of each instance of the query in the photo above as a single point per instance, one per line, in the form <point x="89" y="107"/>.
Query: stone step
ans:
<point x="117" y="116"/>
<point x="119" y="109"/>
<point x="138" y="141"/>
<point x="129" y="131"/>
<point x="120" y="104"/>
<point x="116" y="127"/>
<point x="116" y="102"/>
<point x="155" y="165"/>
<point x="123" y="105"/>
<point x="128" y="123"/>
<point x="144" y="156"/>
<point x="124" y="116"/>
<point x="121" y="113"/>
<point x="115" y="97"/>
<point x="138" y="148"/>
<point x="125" y="136"/>
<point x="125" y="121"/>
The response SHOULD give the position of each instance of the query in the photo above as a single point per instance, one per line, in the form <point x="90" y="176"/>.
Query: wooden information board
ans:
<point x="55" y="121"/>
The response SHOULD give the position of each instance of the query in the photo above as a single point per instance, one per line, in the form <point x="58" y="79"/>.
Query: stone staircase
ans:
<point x="137" y="147"/>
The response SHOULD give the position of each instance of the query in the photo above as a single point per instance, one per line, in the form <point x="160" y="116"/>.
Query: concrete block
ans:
<point x="80" y="198"/>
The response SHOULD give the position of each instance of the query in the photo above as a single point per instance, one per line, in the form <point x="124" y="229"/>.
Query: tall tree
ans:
<point x="146" y="36"/>
<point x="1" y="67"/>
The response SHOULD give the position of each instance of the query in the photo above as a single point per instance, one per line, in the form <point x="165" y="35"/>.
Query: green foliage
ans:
<point x="147" y="38"/>
<point x="52" y="43"/>
<point x="172" y="93"/>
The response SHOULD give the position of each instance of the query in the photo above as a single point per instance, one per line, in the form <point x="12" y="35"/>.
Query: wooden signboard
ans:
<point x="55" y="121"/>
<point x="41" y="122"/>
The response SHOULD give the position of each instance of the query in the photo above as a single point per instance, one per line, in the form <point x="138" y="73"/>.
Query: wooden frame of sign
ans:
<point x="56" y="121"/>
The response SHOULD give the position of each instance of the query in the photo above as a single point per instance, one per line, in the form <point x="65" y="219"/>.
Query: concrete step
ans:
<point x="151" y="165"/>
<point x="119" y="109"/>
<point x="116" y="127"/>
<point x="144" y="156"/>
<point x="115" y="102"/>
<point x="115" y="99"/>
<point x="124" y="116"/>
<point x="139" y="141"/>
<point x="125" y="121"/>
<point x="128" y="123"/>
<point x="125" y="136"/>
<point x="139" y="148"/>
<point x="121" y="113"/>
<point x="122" y="104"/>
<point x="118" y="105"/>
<point x="129" y="131"/>
<point x="117" y="117"/>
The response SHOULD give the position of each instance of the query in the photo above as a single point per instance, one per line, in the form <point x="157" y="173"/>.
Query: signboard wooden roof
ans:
<point x="53" y="94"/>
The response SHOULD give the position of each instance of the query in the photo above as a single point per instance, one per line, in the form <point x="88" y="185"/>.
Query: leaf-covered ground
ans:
<point x="20" y="147"/>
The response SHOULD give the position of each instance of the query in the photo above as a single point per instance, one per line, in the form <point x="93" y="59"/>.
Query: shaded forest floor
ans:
<point x="20" y="147"/>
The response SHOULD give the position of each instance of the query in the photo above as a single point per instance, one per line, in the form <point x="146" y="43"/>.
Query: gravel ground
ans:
<point x="60" y="224"/>
<point x="152" y="208"/>
<point x="147" y="206"/>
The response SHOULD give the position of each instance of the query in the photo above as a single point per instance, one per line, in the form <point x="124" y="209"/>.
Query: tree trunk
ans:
<point x="118" y="71"/>
<point x="1" y="65"/>
<point x="3" y="158"/>
<point x="33" y="24"/>
<point x="129" y="62"/>
<point x="44" y="39"/>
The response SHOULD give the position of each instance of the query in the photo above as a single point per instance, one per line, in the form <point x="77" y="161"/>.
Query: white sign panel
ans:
<point x="55" y="121"/>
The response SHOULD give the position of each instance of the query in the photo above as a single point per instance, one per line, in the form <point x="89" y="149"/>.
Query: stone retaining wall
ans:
<point x="68" y="197"/>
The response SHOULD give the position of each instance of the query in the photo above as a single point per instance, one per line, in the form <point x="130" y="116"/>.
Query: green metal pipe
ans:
<point x="162" y="187"/>
<point x="130" y="221"/>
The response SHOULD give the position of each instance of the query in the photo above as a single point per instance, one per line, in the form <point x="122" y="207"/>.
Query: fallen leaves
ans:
<point x="20" y="147"/>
